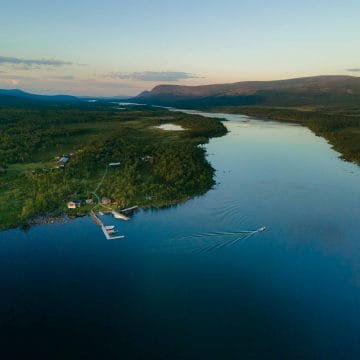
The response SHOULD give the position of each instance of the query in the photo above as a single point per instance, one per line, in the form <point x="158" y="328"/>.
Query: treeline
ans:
<point x="21" y="144"/>
<point x="26" y="133"/>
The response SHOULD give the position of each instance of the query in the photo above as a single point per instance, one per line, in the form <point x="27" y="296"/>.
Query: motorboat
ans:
<point x="119" y="216"/>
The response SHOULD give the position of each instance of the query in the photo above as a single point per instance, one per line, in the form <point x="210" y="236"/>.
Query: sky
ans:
<point x="119" y="47"/>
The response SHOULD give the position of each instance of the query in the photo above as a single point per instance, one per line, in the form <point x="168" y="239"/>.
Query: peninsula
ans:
<point x="54" y="155"/>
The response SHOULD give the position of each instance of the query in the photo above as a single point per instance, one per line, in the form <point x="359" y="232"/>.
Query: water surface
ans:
<point x="191" y="282"/>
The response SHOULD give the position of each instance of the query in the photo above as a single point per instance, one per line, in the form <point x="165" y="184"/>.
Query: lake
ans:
<point x="196" y="281"/>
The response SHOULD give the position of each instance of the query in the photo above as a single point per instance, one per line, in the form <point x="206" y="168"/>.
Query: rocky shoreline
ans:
<point x="47" y="219"/>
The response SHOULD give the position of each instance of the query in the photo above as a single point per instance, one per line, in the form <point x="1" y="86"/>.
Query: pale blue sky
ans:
<point x="122" y="47"/>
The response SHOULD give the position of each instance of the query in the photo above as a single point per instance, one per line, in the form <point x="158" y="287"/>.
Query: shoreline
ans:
<point x="66" y="217"/>
<point x="341" y="132"/>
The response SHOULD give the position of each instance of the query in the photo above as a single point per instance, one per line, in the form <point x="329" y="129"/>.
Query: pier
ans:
<point x="107" y="230"/>
<point x="129" y="209"/>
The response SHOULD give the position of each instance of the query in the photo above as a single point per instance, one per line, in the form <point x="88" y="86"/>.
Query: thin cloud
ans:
<point x="105" y="84"/>
<point x="89" y="87"/>
<point x="33" y="62"/>
<point x="69" y="80"/>
<point x="17" y="77"/>
<point x="65" y="77"/>
<point x="153" y="76"/>
<point x="354" y="70"/>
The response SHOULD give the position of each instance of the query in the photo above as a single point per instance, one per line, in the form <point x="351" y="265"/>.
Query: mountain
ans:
<point x="19" y="97"/>
<point x="315" y="90"/>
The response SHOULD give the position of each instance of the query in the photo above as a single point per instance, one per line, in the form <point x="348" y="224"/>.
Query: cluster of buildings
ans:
<point x="75" y="203"/>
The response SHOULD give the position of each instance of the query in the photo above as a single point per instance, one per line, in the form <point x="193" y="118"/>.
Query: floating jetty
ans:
<point x="108" y="231"/>
<point x="129" y="209"/>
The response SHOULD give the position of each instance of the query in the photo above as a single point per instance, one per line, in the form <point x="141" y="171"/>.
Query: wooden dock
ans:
<point x="96" y="219"/>
<point x="103" y="228"/>
<point x="107" y="235"/>
<point x="129" y="209"/>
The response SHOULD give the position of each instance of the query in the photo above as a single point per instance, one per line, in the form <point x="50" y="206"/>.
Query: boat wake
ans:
<point x="230" y="213"/>
<point x="210" y="241"/>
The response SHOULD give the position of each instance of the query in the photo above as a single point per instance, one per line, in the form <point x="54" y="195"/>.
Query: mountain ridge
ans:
<point x="249" y="87"/>
<point x="20" y="97"/>
<point x="297" y="91"/>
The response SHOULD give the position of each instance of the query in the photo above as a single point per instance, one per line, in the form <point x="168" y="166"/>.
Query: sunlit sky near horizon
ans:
<point x="118" y="47"/>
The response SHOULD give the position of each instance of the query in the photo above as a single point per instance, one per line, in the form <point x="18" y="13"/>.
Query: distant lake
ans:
<point x="193" y="281"/>
<point x="170" y="127"/>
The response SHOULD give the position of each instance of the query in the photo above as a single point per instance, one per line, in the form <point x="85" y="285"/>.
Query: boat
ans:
<point x="111" y="231"/>
<point x="108" y="234"/>
<point x="120" y="216"/>
<point x="101" y="213"/>
<point x="263" y="228"/>
<point x="110" y="227"/>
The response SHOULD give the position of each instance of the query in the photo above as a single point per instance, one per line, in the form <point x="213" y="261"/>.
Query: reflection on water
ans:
<point x="195" y="281"/>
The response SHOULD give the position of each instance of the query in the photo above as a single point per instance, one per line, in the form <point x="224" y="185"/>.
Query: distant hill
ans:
<point x="105" y="98"/>
<point x="16" y="97"/>
<point x="317" y="90"/>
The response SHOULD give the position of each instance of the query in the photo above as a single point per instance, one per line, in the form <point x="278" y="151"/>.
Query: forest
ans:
<point x="157" y="167"/>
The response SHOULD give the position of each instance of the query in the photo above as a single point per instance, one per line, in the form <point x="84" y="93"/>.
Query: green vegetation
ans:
<point x="328" y="105"/>
<point x="157" y="168"/>
<point x="340" y="126"/>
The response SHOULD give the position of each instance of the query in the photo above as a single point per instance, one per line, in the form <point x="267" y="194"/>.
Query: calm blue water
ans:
<point x="188" y="282"/>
